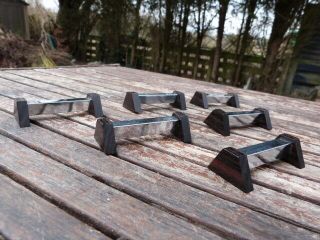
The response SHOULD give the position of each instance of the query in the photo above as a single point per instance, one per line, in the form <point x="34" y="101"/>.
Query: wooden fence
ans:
<point x="93" y="49"/>
<point x="251" y="66"/>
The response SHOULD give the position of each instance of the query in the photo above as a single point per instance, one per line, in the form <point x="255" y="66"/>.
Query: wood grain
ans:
<point x="283" y="196"/>
<point x="221" y="146"/>
<point x="218" y="146"/>
<point x="289" y="127"/>
<point x="24" y="215"/>
<point x="103" y="206"/>
<point x="309" y="144"/>
<point x="197" y="205"/>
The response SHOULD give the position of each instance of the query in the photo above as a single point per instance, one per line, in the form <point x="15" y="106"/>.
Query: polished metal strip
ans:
<point x="144" y="127"/>
<point x="149" y="98"/>
<point x="240" y="119"/>
<point x="218" y="98"/>
<point x="58" y="106"/>
<point x="263" y="153"/>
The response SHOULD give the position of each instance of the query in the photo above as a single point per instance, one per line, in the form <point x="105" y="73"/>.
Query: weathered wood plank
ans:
<point x="113" y="85"/>
<point x="188" y="86"/>
<point x="157" y="76"/>
<point x="195" y="175"/>
<point x="147" y="165"/>
<point x="33" y="83"/>
<point x="203" y="157"/>
<point x="24" y="215"/>
<point x="218" y="146"/>
<point x="285" y="115"/>
<point x="104" y="207"/>
<point x="195" y="115"/>
<point x="250" y="133"/>
<point x="58" y="81"/>
<point x="292" y="126"/>
<point x="292" y="171"/>
<point x="144" y="82"/>
<point x="197" y="205"/>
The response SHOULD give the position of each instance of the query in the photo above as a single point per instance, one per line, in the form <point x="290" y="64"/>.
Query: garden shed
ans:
<point x="14" y="17"/>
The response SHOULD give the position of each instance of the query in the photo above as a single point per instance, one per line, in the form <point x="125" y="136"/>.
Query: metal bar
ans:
<point x="203" y="99"/>
<point x="144" y="127"/>
<point x="218" y="98"/>
<point x="59" y="106"/>
<point x="263" y="153"/>
<point x="235" y="165"/>
<point x="240" y="119"/>
<point x="149" y="98"/>
<point x="133" y="100"/>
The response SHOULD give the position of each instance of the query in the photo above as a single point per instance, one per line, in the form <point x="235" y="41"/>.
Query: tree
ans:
<point x="201" y="25"/>
<point x="69" y="19"/>
<point x="185" y="6"/>
<point x="112" y="24"/>
<point x="239" y="37"/>
<point x="170" y="6"/>
<point x="244" y="39"/>
<point x="77" y="18"/>
<point x="90" y="12"/>
<point x="136" y="30"/>
<point x="214" y="70"/>
<point x="285" y="13"/>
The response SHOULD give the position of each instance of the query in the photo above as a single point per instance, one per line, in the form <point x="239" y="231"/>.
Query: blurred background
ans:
<point x="265" y="45"/>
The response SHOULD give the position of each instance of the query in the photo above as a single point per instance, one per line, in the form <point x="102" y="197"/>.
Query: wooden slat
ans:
<point x="112" y="86"/>
<point x="187" y="84"/>
<point x="24" y="215"/>
<point x="153" y="75"/>
<point x="209" y="141"/>
<point x="197" y="205"/>
<point x="104" y="207"/>
<point x="310" y="145"/>
<point x="261" y="135"/>
<point x="218" y="146"/>
<point x="176" y="151"/>
<point x="248" y="100"/>
<point x="108" y="109"/>
<point x="191" y="174"/>
<point x="292" y="126"/>
<point x="194" y="113"/>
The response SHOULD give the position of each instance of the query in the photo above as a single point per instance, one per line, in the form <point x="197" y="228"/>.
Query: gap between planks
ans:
<point x="106" y="208"/>
<point x="213" y="149"/>
<point x="50" y="73"/>
<point x="240" y="209"/>
<point x="196" y="122"/>
<point x="242" y="134"/>
<point x="23" y="213"/>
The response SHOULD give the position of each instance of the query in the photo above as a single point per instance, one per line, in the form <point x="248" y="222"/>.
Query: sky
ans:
<point x="50" y="4"/>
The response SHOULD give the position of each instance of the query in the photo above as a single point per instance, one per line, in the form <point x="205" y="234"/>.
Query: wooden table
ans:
<point x="57" y="184"/>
